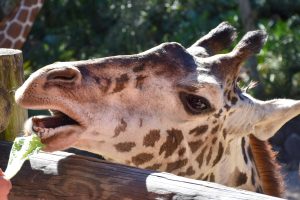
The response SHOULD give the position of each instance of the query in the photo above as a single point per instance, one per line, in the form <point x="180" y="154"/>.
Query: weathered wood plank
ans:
<point x="12" y="116"/>
<point x="62" y="175"/>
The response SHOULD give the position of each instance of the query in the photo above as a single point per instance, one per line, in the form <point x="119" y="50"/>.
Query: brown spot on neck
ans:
<point x="120" y="128"/>
<point x="200" y="158"/>
<point x="241" y="179"/>
<point x="154" y="167"/>
<point x="190" y="171"/>
<point x="195" y="145"/>
<point x="152" y="137"/>
<point x="142" y="158"/>
<point x="125" y="146"/>
<point x="212" y="178"/>
<point x="243" y="142"/>
<point x="219" y="155"/>
<point x="172" y="142"/>
<point x="209" y="156"/>
<point x="252" y="177"/>
<point x="176" y="165"/>
<point x="181" y="151"/>
<point x="215" y="129"/>
<point x="199" y="130"/>
<point x="224" y="133"/>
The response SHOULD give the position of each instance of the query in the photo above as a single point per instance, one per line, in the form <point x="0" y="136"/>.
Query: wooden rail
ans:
<point x="62" y="175"/>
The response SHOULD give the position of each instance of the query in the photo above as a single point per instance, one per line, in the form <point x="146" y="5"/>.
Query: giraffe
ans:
<point x="170" y="108"/>
<point x="15" y="28"/>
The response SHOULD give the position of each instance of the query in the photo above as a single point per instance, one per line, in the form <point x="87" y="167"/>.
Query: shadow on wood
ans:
<point x="62" y="175"/>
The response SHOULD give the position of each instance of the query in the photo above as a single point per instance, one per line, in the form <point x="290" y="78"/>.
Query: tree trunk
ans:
<point x="12" y="117"/>
<point x="62" y="175"/>
<point x="248" y="18"/>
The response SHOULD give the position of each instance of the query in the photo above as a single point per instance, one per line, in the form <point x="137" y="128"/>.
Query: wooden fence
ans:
<point x="62" y="175"/>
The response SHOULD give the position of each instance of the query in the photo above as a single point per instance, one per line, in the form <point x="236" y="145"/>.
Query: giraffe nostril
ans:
<point x="64" y="75"/>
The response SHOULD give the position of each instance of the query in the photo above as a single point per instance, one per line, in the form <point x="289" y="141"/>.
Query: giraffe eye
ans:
<point x="194" y="104"/>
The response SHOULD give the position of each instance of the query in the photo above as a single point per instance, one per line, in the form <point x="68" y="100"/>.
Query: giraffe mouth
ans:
<point x="57" y="119"/>
<point x="48" y="126"/>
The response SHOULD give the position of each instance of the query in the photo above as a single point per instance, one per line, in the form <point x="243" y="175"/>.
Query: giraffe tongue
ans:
<point x="52" y="121"/>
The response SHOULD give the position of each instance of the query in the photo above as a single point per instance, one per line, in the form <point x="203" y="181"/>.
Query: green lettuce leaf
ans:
<point x="22" y="148"/>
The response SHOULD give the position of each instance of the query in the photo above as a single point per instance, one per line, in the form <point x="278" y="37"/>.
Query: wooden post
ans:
<point x="12" y="117"/>
<point x="62" y="175"/>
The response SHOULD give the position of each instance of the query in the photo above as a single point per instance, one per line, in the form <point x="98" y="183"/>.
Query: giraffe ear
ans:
<point x="228" y="65"/>
<point x="272" y="115"/>
<point x="215" y="41"/>
<point x="250" y="44"/>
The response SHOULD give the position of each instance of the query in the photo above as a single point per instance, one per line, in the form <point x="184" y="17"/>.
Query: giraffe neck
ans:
<point x="182" y="152"/>
<point x="238" y="168"/>
<point x="15" y="28"/>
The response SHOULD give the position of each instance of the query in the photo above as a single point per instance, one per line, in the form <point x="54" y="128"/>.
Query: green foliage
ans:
<point x="22" y="148"/>
<point x="76" y="29"/>
<point x="280" y="58"/>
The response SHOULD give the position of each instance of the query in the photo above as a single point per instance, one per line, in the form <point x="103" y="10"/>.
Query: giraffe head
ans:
<point x="158" y="104"/>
